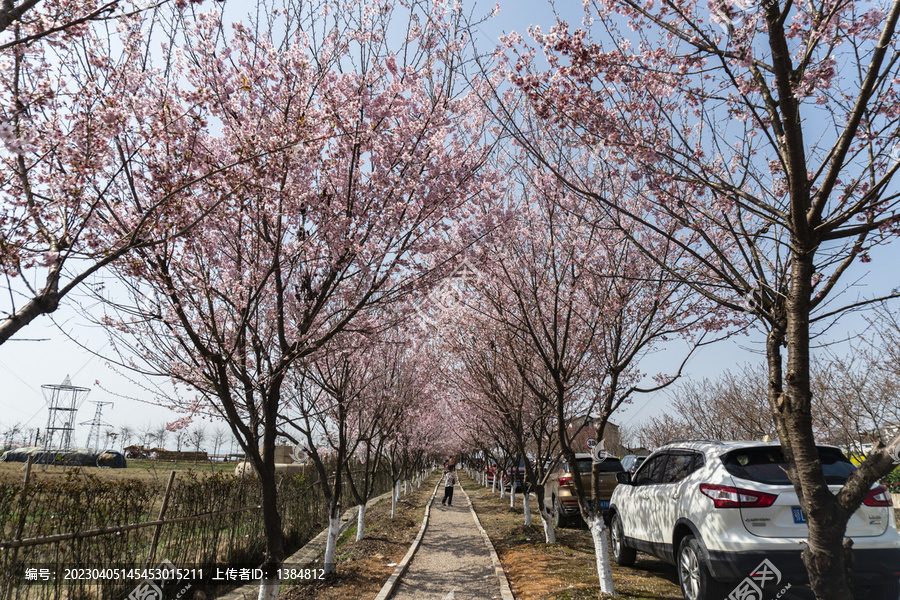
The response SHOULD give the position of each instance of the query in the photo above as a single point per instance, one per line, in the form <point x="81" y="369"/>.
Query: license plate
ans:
<point x="604" y="504"/>
<point x="799" y="517"/>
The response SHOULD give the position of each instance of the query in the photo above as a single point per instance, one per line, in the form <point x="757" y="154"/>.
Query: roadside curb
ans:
<point x="505" y="590"/>
<point x="305" y="556"/>
<point x="390" y="586"/>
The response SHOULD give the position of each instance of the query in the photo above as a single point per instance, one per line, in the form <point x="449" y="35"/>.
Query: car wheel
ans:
<point x="622" y="554"/>
<point x="559" y="519"/>
<point x="693" y="573"/>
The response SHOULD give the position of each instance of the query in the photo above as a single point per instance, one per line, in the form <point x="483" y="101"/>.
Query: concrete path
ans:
<point x="455" y="560"/>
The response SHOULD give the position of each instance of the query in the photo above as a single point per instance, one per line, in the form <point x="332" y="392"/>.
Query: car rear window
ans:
<point x="584" y="465"/>
<point x="767" y="465"/>
<point x="607" y="465"/>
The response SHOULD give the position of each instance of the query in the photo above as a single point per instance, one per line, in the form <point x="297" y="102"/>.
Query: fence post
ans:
<point x="20" y="526"/>
<point x="162" y="513"/>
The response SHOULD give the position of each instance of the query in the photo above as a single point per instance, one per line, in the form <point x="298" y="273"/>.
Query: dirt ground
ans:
<point x="565" y="570"/>
<point x="363" y="567"/>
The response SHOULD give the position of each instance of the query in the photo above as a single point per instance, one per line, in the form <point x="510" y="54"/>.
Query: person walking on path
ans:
<point x="453" y="561"/>
<point x="449" y="482"/>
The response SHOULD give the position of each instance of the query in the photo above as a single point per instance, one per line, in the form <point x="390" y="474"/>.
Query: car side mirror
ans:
<point x="624" y="477"/>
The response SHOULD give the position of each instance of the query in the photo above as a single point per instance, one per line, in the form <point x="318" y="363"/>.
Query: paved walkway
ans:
<point x="453" y="561"/>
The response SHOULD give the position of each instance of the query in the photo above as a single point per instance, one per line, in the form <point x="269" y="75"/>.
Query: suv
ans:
<point x="559" y="490"/>
<point x="726" y="514"/>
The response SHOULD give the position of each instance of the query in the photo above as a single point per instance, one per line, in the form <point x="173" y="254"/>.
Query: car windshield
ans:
<point x="766" y="464"/>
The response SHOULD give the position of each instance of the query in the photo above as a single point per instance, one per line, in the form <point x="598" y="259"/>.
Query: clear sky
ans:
<point x="41" y="354"/>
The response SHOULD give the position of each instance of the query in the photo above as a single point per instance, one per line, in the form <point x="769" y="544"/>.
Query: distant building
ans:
<point x="583" y="429"/>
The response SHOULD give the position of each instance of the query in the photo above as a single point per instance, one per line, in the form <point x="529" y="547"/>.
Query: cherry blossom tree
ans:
<point x="582" y="307"/>
<point x="502" y="411"/>
<point x="763" y="142"/>
<point x="377" y="413"/>
<point x="350" y="161"/>
<point x="33" y="20"/>
<point x="353" y="399"/>
<point x="328" y="398"/>
<point x="94" y="152"/>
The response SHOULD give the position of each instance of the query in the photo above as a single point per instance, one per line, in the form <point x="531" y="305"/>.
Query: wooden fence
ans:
<point x="194" y="522"/>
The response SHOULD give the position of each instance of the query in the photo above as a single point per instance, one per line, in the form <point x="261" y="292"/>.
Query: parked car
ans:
<point x="726" y="514"/>
<point x="559" y="490"/>
<point x="631" y="462"/>
<point x="517" y="474"/>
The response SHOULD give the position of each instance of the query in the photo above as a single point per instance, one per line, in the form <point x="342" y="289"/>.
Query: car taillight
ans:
<point x="731" y="497"/>
<point x="566" y="481"/>
<point x="878" y="496"/>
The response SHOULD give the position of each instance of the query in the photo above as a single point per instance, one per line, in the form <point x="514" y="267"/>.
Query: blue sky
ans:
<point x="41" y="354"/>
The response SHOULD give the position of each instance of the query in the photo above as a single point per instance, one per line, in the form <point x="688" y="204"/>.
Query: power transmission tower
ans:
<point x="96" y="424"/>
<point x="63" y="400"/>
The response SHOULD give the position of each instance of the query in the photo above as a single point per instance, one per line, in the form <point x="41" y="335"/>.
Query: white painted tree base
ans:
<point x="334" y="528"/>
<point x="268" y="589"/>
<point x="549" y="530"/>
<point x="601" y="550"/>
<point x="360" y="522"/>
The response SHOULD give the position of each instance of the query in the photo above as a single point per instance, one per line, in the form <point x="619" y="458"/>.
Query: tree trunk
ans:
<point x="546" y="516"/>
<point x="269" y="585"/>
<point x="601" y="551"/>
<point x="334" y="527"/>
<point x="268" y="588"/>
<point x="394" y="500"/>
<point x="527" y="502"/>
<point x="360" y="521"/>
<point x="825" y="556"/>
<point x="512" y="494"/>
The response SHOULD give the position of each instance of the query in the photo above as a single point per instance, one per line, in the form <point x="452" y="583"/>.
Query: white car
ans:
<point x="726" y="515"/>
